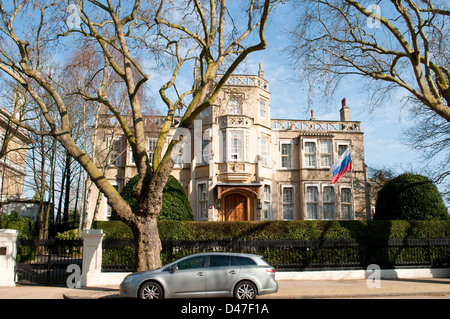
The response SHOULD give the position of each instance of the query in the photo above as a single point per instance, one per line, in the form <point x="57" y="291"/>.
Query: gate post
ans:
<point x="8" y="254"/>
<point x="92" y="257"/>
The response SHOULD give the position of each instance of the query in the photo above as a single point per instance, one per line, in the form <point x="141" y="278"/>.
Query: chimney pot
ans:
<point x="345" y="111"/>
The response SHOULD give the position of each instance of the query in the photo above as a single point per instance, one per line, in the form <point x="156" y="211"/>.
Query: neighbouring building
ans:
<point x="12" y="164"/>
<point x="238" y="164"/>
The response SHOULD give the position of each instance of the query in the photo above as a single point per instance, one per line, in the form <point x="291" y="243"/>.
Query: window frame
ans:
<point x="306" y="161"/>
<point x="115" y="159"/>
<point x="323" y="154"/>
<point x="338" y="144"/>
<point x="283" y="203"/>
<point x="263" y="110"/>
<point x="235" y="109"/>
<point x="244" y="147"/>
<point x="239" y="152"/>
<point x="267" y="202"/>
<point x="265" y="153"/>
<point x="202" y="201"/>
<point x="346" y="204"/>
<point x="151" y="146"/>
<point x="317" y="202"/>
<point x="328" y="202"/>
<point x="283" y="156"/>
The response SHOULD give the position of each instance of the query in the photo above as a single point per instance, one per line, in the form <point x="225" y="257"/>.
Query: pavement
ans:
<point x="419" y="288"/>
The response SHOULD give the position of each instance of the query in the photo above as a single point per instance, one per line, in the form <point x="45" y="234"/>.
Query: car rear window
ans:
<point x="244" y="261"/>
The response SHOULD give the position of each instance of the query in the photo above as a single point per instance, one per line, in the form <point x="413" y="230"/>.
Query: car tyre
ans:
<point x="151" y="290"/>
<point x="245" y="290"/>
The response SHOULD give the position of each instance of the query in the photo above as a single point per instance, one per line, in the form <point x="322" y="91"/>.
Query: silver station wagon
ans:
<point x="242" y="276"/>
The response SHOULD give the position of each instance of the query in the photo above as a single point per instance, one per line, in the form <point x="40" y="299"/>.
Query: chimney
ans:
<point x="261" y="71"/>
<point x="345" y="111"/>
<point x="312" y="116"/>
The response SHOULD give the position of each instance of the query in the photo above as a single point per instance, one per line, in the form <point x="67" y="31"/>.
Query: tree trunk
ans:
<point x="41" y="229"/>
<point x="59" y="212"/>
<point x="148" y="244"/>
<point x="144" y="223"/>
<point x="66" y="212"/>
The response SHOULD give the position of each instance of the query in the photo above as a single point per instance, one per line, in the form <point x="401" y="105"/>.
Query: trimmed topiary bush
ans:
<point x="410" y="197"/>
<point x="175" y="204"/>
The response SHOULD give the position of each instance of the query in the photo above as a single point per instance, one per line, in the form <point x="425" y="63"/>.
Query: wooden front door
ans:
<point x="235" y="207"/>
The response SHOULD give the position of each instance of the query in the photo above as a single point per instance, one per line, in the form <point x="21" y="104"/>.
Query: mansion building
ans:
<point x="236" y="163"/>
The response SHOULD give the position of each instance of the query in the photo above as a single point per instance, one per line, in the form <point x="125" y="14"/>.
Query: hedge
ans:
<point x="286" y="230"/>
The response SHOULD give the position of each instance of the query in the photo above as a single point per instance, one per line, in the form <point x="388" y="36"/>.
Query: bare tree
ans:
<point x="122" y="34"/>
<point x="431" y="137"/>
<point x="393" y="44"/>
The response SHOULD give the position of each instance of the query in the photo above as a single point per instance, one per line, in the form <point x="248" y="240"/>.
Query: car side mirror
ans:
<point x="173" y="268"/>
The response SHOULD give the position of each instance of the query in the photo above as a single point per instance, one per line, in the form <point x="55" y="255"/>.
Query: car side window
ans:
<point x="192" y="263"/>
<point x="219" y="261"/>
<point x="244" y="261"/>
<point x="234" y="261"/>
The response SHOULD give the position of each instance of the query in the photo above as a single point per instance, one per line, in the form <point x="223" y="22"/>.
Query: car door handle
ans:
<point x="232" y="272"/>
<point x="199" y="274"/>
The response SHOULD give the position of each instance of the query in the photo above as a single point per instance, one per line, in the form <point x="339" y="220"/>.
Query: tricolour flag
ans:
<point x="342" y="165"/>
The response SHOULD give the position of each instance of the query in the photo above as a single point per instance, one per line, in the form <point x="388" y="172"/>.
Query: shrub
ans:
<point x="71" y="234"/>
<point x="410" y="197"/>
<point x="24" y="225"/>
<point x="175" y="204"/>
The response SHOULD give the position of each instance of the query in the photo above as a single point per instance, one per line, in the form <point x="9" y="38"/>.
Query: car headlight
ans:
<point x="127" y="279"/>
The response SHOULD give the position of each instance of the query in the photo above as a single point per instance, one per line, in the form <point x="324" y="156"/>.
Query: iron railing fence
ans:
<point x="291" y="255"/>
<point x="46" y="261"/>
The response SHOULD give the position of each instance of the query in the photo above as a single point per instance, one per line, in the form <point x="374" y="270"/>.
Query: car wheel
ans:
<point x="245" y="290"/>
<point x="151" y="290"/>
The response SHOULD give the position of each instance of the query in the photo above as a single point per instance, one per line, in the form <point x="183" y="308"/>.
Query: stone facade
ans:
<point x="237" y="163"/>
<point x="12" y="164"/>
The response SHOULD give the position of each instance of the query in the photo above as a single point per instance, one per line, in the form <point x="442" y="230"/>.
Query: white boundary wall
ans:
<point x="8" y="253"/>
<point x="363" y="274"/>
<point x="115" y="278"/>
